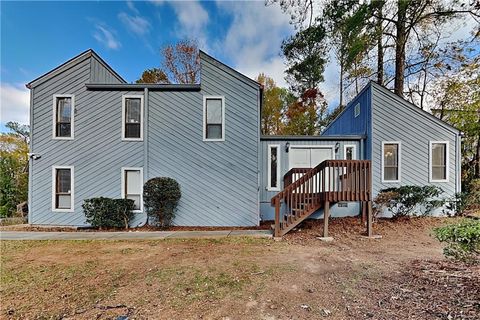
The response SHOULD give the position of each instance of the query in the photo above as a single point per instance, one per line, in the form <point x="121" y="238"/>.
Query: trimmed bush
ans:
<point x="161" y="196"/>
<point x="108" y="213"/>
<point x="408" y="200"/>
<point x="462" y="239"/>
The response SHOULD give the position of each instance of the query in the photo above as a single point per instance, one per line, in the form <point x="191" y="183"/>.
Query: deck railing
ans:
<point x="306" y="191"/>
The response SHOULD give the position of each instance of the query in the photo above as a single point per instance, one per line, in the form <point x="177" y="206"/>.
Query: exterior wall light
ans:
<point x="287" y="147"/>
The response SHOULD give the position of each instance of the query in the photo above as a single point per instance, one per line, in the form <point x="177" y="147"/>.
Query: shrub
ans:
<point x="107" y="212"/>
<point x="161" y="196"/>
<point x="458" y="203"/>
<point x="462" y="239"/>
<point x="409" y="200"/>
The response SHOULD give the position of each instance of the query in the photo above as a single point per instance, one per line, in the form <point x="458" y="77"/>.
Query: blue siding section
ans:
<point x="347" y="124"/>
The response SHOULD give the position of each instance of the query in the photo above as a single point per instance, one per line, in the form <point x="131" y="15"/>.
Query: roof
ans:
<point x="68" y="64"/>
<point x="142" y="86"/>
<point x="238" y="75"/>
<point x="336" y="137"/>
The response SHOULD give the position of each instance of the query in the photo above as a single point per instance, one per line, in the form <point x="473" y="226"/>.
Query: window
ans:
<point x="357" y="110"/>
<point x="63" y="111"/>
<point x="132" y="186"/>
<point x="391" y="161"/>
<point x="213" y="119"/>
<point x="439" y="161"/>
<point x="62" y="188"/>
<point x="350" y="152"/>
<point x="273" y="175"/>
<point x="132" y="117"/>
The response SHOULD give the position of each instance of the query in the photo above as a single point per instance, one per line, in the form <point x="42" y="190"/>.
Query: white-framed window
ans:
<point x="356" y="111"/>
<point x="350" y="152"/>
<point x="132" y="117"/>
<point x="63" y="114"/>
<point x="62" y="188"/>
<point x="273" y="171"/>
<point x="132" y="186"/>
<point x="391" y="161"/>
<point x="438" y="161"/>
<point x="213" y="118"/>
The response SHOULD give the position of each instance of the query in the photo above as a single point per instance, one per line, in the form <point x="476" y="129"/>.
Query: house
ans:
<point x="93" y="134"/>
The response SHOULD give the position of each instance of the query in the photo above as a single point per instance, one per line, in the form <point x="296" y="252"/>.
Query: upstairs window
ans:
<point x="63" y="110"/>
<point x="273" y="168"/>
<point x="438" y="161"/>
<point x="357" y="110"/>
<point x="213" y="119"/>
<point x="132" y="186"/>
<point x="391" y="161"/>
<point x="132" y="118"/>
<point x="62" y="181"/>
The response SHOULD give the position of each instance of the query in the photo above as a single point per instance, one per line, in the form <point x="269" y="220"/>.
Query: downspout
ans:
<point x="30" y="160"/>
<point x="145" y="146"/>
<point x="458" y="165"/>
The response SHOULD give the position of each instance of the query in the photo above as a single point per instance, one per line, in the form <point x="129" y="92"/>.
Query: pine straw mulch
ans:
<point x="426" y="290"/>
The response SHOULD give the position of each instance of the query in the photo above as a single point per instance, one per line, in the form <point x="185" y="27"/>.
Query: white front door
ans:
<point x="308" y="157"/>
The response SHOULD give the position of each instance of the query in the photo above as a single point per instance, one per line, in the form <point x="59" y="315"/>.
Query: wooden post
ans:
<point x="369" y="220"/>
<point x="364" y="211"/>
<point x="277" y="218"/>
<point x="326" y="214"/>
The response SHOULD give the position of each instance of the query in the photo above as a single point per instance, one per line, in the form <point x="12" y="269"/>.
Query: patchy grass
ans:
<point x="250" y="278"/>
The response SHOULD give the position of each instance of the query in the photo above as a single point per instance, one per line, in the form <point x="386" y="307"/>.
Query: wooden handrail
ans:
<point x="331" y="180"/>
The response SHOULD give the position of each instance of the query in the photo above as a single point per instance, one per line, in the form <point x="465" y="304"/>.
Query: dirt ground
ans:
<point x="401" y="276"/>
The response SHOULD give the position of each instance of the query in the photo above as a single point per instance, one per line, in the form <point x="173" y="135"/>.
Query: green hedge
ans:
<point x="161" y="197"/>
<point x="106" y="212"/>
<point x="462" y="239"/>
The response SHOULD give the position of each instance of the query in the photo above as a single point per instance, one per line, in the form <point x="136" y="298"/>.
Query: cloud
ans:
<point x="106" y="36"/>
<point x="254" y="38"/>
<point x="132" y="7"/>
<point x="135" y="24"/>
<point x="14" y="103"/>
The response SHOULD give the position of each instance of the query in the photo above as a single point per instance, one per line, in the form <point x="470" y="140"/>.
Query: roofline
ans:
<point x="246" y="79"/>
<point x="346" y="107"/>
<point x="301" y="138"/>
<point x="142" y="86"/>
<point x="417" y="109"/>
<point x="85" y="54"/>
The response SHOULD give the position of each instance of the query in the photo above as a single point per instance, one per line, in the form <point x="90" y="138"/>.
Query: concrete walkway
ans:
<point x="134" y="235"/>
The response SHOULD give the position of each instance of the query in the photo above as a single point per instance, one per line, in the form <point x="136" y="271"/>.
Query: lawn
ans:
<point x="401" y="276"/>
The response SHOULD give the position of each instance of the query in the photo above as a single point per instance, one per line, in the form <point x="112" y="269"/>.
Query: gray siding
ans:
<point x="394" y="119"/>
<point x="97" y="152"/>
<point x="266" y="211"/>
<point x="218" y="179"/>
<point x="99" y="73"/>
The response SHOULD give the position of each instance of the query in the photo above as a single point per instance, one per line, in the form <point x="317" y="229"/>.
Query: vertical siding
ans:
<point x="347" y="124"/>
<point x="266" y="211"/>
<point x="218" y="179"/>
<point x="97" y="152"/>
<point x="100" y="74"/>
<point x="394" y="119"/>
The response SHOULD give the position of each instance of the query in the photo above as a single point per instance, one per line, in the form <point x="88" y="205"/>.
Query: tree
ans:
<point x="13" y="168"/>
<point x="180" y="64"/>
<point x="304" y="116"/>
<point x="275" y="102"/>
<point x="154" y="75"/>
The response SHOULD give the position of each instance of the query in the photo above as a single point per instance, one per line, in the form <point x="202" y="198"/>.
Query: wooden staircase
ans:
<point x="307" y="190"/>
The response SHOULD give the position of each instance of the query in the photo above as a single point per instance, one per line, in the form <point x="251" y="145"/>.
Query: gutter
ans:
<point x="142" y="87"/>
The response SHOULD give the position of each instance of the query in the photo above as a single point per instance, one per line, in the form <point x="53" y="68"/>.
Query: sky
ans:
<point x="38" y="36"/>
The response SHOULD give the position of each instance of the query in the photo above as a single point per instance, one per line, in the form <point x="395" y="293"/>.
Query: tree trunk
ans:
<point x="476" y="172"/>
<point x="400" y="47"/>
<point x="379" y="47"/>
<point x="341" y="82"/>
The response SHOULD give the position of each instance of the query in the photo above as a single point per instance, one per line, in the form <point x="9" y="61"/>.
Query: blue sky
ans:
<point x="38" y="36"/>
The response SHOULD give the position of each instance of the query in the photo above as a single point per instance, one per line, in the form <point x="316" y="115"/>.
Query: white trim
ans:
<point x="301" y="146"/>
<point x="269" y="167"/>
<point x="447" y="161"/>
<point x="72" y="187"/>
<point x="132" y="96"/>
<point x="205" y="118"/>
<point x="354" y="152"/>
<point x="141" y="184"/>
<point x="399" y="143"/>
<point x="72" y="116"/>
